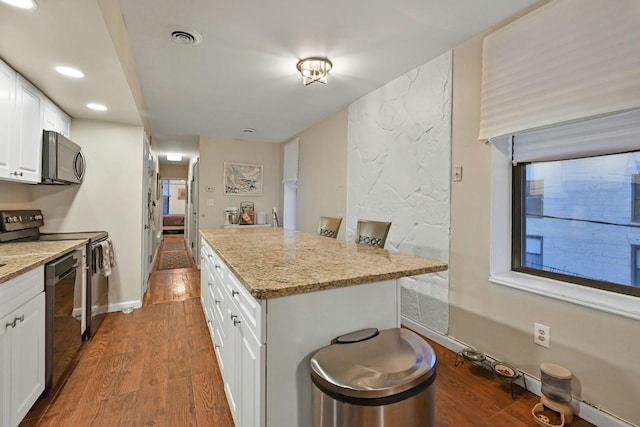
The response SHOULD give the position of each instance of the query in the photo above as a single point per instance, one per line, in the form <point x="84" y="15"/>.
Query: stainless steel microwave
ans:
<point x="62" y="160"/>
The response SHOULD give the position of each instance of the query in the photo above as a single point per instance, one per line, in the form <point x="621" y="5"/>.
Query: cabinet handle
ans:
<point x="236" y="322"/>
<point x="217" y="267"/>
<point x="15" y="321"/>
<point x="216" y="301"/>
<point x="234" y="317"/>
<point x="16" y="173"/>
<point x="210" y="284"/>
<point x="234" y="293"/>
<point x="216" y="346"/>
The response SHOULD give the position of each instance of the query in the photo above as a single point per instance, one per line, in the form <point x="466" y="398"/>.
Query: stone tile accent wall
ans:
<point x="399" y="157"/>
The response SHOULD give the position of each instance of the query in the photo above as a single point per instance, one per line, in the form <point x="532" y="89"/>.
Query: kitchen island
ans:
<point x="273" y="297"/>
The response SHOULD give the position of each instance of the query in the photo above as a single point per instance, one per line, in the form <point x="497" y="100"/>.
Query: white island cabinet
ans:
<point x="272" y="298"/>
<point x="22" y="340"/>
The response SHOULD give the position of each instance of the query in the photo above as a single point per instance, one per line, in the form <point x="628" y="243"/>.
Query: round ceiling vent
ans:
<point x="184" y="37"/>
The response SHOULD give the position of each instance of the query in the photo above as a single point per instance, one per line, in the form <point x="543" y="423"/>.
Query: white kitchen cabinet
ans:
<point x="239" y="352"/>
<point x="21" y="120"/>
<point x="22" y="345"/>
<point x="27" y="140"/>
<point x="7" y="106"/>
<point x="55" y="119"/>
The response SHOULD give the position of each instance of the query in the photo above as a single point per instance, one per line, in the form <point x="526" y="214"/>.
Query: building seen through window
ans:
<point x="582" y="214"/>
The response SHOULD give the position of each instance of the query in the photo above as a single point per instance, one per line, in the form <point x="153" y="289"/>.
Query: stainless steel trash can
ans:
<point x="374" y="378"/>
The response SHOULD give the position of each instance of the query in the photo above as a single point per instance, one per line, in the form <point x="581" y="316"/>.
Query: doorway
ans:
<point x="174" y="205"/>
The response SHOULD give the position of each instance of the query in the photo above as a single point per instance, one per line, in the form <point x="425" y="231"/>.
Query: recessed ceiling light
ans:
<point x="174" y="157"/>
<point x="248" y="130"/>
<point x="97" y="107"/>
<point x="69" y="72"/>
<point x="22" y="4"/>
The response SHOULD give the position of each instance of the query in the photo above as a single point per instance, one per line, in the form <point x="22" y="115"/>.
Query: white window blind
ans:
<point x="567" y="60"/>
<point x="612" y="134"/>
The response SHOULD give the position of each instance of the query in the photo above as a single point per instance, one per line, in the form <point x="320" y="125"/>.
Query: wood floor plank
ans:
<point x="155" y="368"/>
<point x="131" y="373"/>
<point x="101" y="385"/>
<point x="181" y="409"/>
<point x="211" y="403"/>
<point x="151" y="407"/>
<point x="120" y="411"/>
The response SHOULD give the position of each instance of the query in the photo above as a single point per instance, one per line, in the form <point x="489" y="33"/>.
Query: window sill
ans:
<point x="609" y="302"/>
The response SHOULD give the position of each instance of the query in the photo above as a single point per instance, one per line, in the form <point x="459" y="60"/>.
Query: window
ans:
<point x="635" y="267"/>
<point x="533" y="252"/>
<point x="534" y="193"/>
<point x="585" y="227"/>
<point x="635" y="197"/>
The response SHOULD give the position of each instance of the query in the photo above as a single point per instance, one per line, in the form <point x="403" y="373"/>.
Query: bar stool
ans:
<point x="329" y="226"/>
<point x="372" y="233"/>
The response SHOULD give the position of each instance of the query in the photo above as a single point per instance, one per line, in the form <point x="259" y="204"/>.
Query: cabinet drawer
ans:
<point x="17" y="291"/>
<point x="248" y="307"/>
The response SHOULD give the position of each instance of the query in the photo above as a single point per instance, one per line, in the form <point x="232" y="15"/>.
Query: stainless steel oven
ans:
<point x="64" y="314"/>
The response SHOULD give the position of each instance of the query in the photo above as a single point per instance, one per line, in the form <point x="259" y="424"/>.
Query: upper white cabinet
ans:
<point x="55" y="119"/>
<point x="27" y="141"/>
<point x="7" y="105"/>
<point x="24" y="113"/>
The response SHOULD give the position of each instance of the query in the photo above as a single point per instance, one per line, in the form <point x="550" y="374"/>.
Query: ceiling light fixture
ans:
<point x="22" y="4"/>
<point x="314" y="69"/>
<point x="97" y="107"/>
<point x="69" y="72"/>
<point x="174" y="157"/>
<point x="248" y="130"/>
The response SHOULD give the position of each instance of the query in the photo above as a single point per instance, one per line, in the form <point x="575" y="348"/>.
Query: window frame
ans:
<point x="500" y="270"/>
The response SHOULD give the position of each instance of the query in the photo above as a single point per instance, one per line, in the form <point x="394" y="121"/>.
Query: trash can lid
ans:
<point x="387" y="364"/>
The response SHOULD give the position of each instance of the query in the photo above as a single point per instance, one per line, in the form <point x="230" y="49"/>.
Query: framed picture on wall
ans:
<point x="242" y="179"/>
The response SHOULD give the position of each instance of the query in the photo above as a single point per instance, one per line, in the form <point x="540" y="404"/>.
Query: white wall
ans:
<point x="399" y="170"/>
<point x="14" y="195"/>
<point x="110" y="198"/>
<point x="322" y="173"/>
<point x="177" y="206"/>
<point x="600" y="349"/>
<point x="213" y="153"/>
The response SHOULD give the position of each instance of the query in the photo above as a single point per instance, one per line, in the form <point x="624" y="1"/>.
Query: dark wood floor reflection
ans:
<point x="156" y="367"/>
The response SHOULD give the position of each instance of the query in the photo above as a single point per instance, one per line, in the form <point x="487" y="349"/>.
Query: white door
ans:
<point x="147" y="220"/>
<point x="193" y="221"/>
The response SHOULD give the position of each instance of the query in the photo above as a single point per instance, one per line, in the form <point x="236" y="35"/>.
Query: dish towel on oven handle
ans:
<point x="106" y="258"/>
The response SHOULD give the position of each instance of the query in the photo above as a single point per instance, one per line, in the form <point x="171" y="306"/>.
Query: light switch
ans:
<point x="209" y="202"/>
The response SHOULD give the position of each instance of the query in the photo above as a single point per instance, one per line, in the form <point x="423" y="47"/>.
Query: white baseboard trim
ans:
<point x="585" y="411"/>
<point x="125" y="306"/>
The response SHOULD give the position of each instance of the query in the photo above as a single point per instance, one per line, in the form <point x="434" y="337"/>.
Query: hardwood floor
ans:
<point x="156" y="367"/>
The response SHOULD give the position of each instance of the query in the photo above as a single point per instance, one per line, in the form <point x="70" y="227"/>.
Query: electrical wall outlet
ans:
<point x="541" y="335"/>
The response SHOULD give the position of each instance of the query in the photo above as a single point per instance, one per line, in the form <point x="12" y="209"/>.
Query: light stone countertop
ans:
<point x="274" y="263"/>
<point x="21" y="257"/>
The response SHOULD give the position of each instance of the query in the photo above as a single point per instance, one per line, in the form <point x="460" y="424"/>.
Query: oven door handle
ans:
<point x="69" y="272"/>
